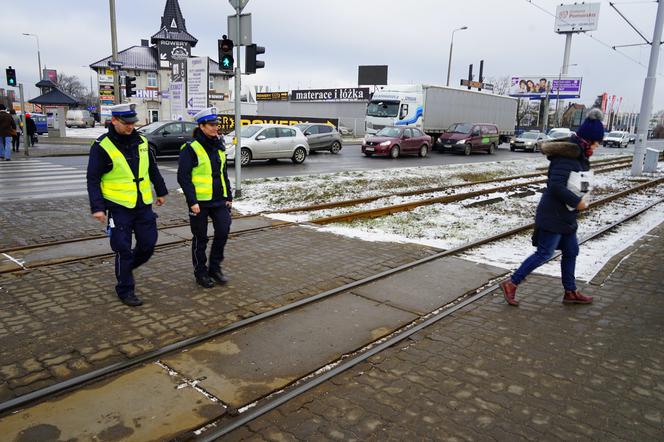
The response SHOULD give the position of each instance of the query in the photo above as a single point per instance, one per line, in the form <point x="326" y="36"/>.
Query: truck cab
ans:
<point x="399" y="106"/>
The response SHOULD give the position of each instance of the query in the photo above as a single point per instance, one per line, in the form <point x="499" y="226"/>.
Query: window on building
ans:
<point x="211" y="81"/>
<point x="152" y="79"/>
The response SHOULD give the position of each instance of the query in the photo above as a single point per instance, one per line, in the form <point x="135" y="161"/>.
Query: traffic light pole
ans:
<point x="114" y="47"/>
<point x="26" y="144"/>
<point x="238" y="109"/>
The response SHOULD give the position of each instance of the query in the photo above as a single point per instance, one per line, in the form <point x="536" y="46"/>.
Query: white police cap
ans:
<point x="206" y="115"/>
<point x="125" y="111"/>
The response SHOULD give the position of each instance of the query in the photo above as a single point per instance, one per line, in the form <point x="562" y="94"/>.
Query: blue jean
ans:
<point x="6" y="147"/>
<point x="547" y="243"/>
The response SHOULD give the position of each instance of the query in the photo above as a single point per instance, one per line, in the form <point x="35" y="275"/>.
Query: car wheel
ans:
<point x="394" y="152"/>
<point x="492" y="149"/>
<point x="299" y="155"/>
<point x="153" y="148"/>
<point x="468" y="149"/>
<point x="512" y="149"/>
<point x="93" y="124"/>
<point x="335" y="148"/>
<point x="245" y="157"/>
<point x="604" y="144"/>
<point x="424" y="150"/>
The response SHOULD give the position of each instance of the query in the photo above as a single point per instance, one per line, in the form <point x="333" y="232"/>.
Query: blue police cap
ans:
<point x="125" y="111"/>
<point x="206" y="115"/>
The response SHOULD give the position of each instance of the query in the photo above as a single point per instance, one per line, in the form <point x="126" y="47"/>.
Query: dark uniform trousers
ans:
<point x="142" y="222"/>
<point x="221" y="221"/>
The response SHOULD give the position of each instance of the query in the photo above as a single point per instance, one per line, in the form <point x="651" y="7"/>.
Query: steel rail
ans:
<point x="155" y="354"/>
<point x="395" y="338"/>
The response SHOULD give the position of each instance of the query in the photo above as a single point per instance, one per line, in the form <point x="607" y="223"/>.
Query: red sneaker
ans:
<point x="509" y="292"/>
<point x="575" y="297"/>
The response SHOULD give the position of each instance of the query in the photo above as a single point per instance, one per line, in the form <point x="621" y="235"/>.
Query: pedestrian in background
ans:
<point x="31" y="127"/>
<point x="555" y="223"/>
<point x="16" y="139"/>
<point x="121" y="171"/>
<point x="7" y="132"/>
<point x="204" y="180"/>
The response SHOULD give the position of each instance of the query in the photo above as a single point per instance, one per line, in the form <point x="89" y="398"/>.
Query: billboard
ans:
<point x="271" y="96"/>
<point x="579" y="17"/>
<point x="197" y="84"/>
<point x="339" y="94"/>
<point x="536" y="87"/>
<point x="376" y="75"/>
<point x="227" y="122"/>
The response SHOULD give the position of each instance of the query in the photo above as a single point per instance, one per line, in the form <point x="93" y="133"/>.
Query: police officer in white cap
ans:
<point x="121" y="173"/>
<point x="204" y="180"/>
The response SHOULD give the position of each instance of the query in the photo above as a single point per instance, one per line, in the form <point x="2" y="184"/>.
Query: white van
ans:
<point x="79" y="118"/>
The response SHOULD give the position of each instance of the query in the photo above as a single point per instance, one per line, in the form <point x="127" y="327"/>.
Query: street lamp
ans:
<point x="39" y="76"/>
<point x="449" y="63"/>
<point x="560" y="74"/>
<point x="91" y="89"/>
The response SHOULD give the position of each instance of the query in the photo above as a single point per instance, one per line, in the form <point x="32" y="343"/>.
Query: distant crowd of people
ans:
<point x="11" y="130"/>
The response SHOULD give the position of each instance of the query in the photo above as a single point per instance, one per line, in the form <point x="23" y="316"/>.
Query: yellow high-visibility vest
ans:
<point x="119" y="185"/>
<point x="201" y="175"/>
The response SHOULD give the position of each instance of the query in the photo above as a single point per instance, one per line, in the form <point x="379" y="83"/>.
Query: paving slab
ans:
<point x="255" y="361"/>
<point x="11" y="261"/>
<point x="143" y="404"/>
<point x="429" y="286"/>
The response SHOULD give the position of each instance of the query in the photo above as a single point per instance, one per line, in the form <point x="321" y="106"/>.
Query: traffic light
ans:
<point x="11" y="76"/>
<point x="226" y="60"/>
<point x="129" y="86"/>
<point x="252" y="64"/>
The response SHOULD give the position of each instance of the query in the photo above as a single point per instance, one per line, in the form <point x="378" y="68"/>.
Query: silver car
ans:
<point x="321" y="137"/>
<point x="531" y="141"/>
<point x="268" y="142"/>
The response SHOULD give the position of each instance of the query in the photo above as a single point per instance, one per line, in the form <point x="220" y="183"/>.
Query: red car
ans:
<point x="396" y="141"/>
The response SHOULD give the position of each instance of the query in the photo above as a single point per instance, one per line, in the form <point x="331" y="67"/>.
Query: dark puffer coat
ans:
<point x="552" y="214"/>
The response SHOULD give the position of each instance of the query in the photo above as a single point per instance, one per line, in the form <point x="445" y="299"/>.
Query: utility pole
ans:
<point x="26" y="149"/>
<point x="648" y="93"/>
<point x="238" y="5"/>
<point x="114" y="46"/>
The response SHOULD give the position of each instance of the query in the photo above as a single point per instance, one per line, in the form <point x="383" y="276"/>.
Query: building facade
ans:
<point x="160" y="68"/>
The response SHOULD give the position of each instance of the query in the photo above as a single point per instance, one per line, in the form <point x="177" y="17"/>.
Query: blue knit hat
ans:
<point x="592" y="128"/>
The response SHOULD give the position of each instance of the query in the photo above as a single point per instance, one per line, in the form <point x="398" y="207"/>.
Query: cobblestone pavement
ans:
<point x="38" y="221"/>
<point x="543" y="371"/>
<point x="63" y="320"/>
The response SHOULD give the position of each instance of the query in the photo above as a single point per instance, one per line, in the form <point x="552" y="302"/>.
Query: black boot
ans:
<point x="205" y="281"/>
<point x="218" y="276"/>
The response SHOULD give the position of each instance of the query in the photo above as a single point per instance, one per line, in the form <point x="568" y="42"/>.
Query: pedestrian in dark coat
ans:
<point x="16" y="139"/>
<point x="31" y="127"/>
<point x="7" y="132"/>
<point x="555" y="223"/>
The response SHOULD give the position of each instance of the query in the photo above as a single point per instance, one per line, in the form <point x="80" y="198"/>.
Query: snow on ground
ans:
<point x="88" y="132"/>
<point x="450" y="225"/>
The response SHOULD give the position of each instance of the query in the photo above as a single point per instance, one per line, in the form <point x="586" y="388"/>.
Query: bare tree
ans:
<point x="501" y="85"/>
<point x="72" y="85"/>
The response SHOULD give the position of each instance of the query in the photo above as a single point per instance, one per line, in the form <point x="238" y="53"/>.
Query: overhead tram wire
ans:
<point x="606" y="45"/>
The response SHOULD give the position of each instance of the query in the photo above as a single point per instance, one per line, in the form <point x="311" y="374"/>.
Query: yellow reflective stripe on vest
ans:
<point x="201" y="175"/>
<point x="118" y="185"/>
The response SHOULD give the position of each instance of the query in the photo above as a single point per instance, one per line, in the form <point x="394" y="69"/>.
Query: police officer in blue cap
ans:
<point x="121" y="173"/>
<point x="204" y="180"/>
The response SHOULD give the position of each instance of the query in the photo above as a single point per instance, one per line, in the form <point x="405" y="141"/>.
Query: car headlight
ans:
<point x="461" y="141"/>
<point x="529" y="143"/>
<point x="385" y="143"/>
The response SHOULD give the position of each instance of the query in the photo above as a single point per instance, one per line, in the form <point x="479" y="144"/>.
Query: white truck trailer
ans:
<point x="433" y="109"/>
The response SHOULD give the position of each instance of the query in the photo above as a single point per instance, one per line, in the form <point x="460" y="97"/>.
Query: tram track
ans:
<point x="16" y="263"/>
<point x="118" y="368"/>
<point x="330" y="205"/>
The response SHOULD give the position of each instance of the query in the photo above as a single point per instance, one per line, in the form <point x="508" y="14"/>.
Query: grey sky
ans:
<point x="318" y="44"/>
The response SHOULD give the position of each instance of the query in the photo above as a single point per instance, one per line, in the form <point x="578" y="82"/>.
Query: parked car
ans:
<point x="79" y="118"/>
<point x="616" y="138"/>
<point x="395" y="141"/>
<point x="469" y="137"/>
<point x="531" y="141"/>
<point x="557" y="133"/>
<point x="632" y="138"/>
<point x="166" y="137"/>
<point x="268" y="142"/>
<point x="321" y="137"/>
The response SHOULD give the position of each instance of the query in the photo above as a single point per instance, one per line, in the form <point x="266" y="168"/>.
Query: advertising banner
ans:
<point x="50" y="74"/>
<point x="227" y="122"/>
<point x="271" y="96"/>
<point x="177" y="98"/>
<point x="581" y="17"/>
<point x="340" y="94"/>
<point x="536" y="87"/>
<point x="197" y="84"/>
